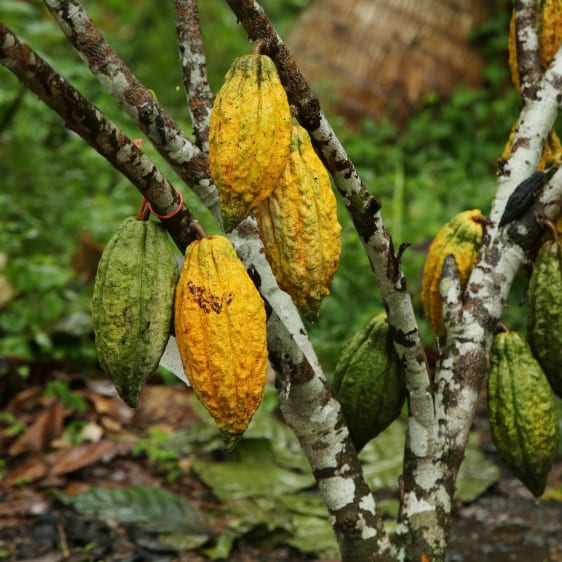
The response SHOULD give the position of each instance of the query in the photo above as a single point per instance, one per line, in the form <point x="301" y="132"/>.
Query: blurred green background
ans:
<point x="54" y="188"/>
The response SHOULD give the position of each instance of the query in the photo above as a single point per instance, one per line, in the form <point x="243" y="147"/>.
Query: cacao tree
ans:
<point x="440" y="405"/>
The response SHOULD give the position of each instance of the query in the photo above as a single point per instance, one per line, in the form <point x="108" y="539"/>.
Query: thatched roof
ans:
<point x="379" y="57"/>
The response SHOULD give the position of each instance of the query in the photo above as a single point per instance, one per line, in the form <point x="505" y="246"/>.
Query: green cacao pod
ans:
<point x="368" y="381"/>
<point x="545" y="312"/>
<point x="461" y="237"/>
<point x="298" y="224"/>
<point x="249" y="136"/>
<point x="132" y="304"/>
<point x="522" y="413"/>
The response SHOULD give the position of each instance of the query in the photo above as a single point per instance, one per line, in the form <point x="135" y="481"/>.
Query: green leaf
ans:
<point x="383" y="456"/>
<point x="156" y="510"/>
<point x="266" y="519"/>
<point x="242" y="479"/>
<point x="476" y="473"/>
<point x="305" y="504"/>
<point x="314" y="534"/>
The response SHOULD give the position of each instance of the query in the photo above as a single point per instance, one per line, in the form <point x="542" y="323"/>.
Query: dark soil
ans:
<point x="505" y="524"/>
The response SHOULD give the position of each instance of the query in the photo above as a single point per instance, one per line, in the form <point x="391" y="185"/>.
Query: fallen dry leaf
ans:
<point x="165" y="404"/>
<point x="26" y="400"/>
<point x="70" y="460"/>
<point x="47" y="427"/>
<point x="30" y="471"/>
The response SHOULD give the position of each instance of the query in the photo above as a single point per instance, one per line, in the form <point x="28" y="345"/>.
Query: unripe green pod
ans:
<point x="523" y="418"/>
<point x="545" y="312"/>
<point x="368" y="381"/>
<point x="132" y="304"/>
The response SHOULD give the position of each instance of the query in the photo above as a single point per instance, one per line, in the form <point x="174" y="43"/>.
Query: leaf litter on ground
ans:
<point x="264" y="491"/>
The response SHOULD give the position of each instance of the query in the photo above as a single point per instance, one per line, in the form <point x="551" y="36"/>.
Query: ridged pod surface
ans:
<point x="299" y="227"/>
<point x="522" y="413"/>
<point x="220" y="326"/>
<point x="132" y="304"/>
<point x="368" y="382"/>
<point x="249" y="136"/>
<point x="461" y="237"/>
<point x="545" y="312"/>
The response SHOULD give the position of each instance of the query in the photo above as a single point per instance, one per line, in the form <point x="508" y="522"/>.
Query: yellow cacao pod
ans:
<point x="461" y="237"/>
<point x="249" y="136"/>
<point x="220" y="327"/>
<point x="299" y="227"/>
<point x="132" y="304"/>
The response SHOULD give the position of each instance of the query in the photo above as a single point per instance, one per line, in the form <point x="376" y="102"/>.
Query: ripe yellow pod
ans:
<point x="299" y="227"/>
<point x="220" y="325"/>
<point x="461" y="237"/>
<point x="249" y="136"/>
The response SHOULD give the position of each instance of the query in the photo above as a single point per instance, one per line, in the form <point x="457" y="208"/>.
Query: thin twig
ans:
<point x="194" y="66"/>
<point x="188" y="161"/>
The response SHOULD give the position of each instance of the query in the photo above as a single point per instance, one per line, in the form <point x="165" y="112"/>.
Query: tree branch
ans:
<point x="87" y="121"/>
<point x="362" y="206"/>
<point x="139" y="103"/>
<point x="315" y="416"/>
<point x="527" y="45"/>
<point x="431" y="468"/>
<point x="194" y="65"/>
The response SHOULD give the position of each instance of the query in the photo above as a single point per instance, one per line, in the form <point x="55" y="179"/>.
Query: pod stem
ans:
<point x="547" y="222"/>
<point x="501" y="328"/>
<point x="259" y="46"/>
<point x="144" y="212"/>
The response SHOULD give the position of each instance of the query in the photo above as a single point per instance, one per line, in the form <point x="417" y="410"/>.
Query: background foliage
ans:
<point x="54" y="187"/>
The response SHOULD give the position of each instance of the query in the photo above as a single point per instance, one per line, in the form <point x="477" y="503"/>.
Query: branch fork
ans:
<point x="440" y="410"/>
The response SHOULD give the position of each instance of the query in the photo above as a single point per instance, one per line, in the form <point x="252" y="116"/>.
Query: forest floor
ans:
<point x="85" y="478"/>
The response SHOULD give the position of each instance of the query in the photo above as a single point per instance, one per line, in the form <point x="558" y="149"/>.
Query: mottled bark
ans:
<point x="527" y="46"/>
<point x="440" y="411"/>
<point x="431" y="467"/>
<point x="188" y="161"/>
<point x="363" y="207"/>
<point x="315" y="415"/>
<point x="194" y="65"/>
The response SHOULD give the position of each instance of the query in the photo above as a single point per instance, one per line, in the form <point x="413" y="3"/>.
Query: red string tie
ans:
<point x="169" y="215"/>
